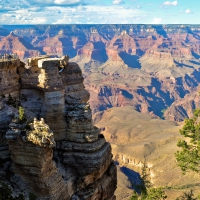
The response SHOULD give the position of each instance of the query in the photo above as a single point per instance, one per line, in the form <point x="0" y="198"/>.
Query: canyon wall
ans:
<point x="153" y="66"/>
<point x="63" y="155"/>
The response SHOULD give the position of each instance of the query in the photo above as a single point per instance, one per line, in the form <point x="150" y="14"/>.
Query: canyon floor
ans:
<point x="137" y="137"/>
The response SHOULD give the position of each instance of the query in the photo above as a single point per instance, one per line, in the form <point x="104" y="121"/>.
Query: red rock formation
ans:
<point x="86" y="50"/>
<point x="51" y="46"/>
<point x="15" y="44"/>
<point x="123" y="43"/>
<point x="113" y="55"/>
<point x="184" y="107"/>
<point x="109" y="53"/>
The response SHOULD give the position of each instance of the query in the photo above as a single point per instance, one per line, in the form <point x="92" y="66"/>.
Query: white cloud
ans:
<point x="22" y="19"/>
<point x="21" y="11"/>
<point x="78" y="22"/>
<point x="73" y="14"/>
<point x="39" y="20"/>
<point x="66" y="1"/>
<point x="36" y="20"/>
<point x="78" y="16"/>
<point x="63" y="21"/>
<point x="35" y="9"/>
<point x="157" y="20"/>
<point x="188" y="11"/>
<point x="170" y="3"/>
<point x="18" y="17"/>
<point x="73" y="10"/>
<point x="41" y="1"/>
<point x="116" y="2"/>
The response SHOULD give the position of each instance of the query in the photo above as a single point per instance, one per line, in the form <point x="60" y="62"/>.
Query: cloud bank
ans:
<point x="97" y="12"/>
<point x="170" y="3"/>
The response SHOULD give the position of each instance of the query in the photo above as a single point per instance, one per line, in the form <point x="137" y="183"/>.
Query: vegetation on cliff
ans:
<point x="12" y="101"/>
<point x="40" y="134"/>
<point x="189" y="157"/>
<point x="188" y="196"/>
<point x="6" y="193"/>
<point x="21" y="114"/>
<point x="145" y="189"/>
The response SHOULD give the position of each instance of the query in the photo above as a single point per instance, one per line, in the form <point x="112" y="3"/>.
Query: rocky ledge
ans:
<point x="62" y="155"/>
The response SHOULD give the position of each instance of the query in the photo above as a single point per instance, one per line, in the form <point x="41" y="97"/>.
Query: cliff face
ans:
<point x="151" y="65"/>
<point x="13" y="43"/>
<point x="183" y="108"/>
<point x="9" y="84"/>
<point x="66" y="159"/>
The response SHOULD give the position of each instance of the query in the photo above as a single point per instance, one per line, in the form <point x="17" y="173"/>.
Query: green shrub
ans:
<point x="147" y="192"/>
<point x="187" y="196"/>
<point x="12" y="101"/>
<point x="21" y="113"/>
<point x="6" y="193"/>
<point x="155" y="194"/>
<point x="32" y="196"/>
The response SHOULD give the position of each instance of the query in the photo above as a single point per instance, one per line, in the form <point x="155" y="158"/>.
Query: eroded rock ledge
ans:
<point x="62" y="155"/>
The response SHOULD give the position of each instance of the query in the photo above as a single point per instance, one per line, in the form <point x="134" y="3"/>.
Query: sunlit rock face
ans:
<point x="63" y="155"/>
<point x="15" y="44"/>
<point x="31" y="153"/>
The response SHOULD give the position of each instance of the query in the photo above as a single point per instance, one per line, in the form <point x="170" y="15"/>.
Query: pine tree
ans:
<point x="147" y="192"/>
<point x="189" y="157"/>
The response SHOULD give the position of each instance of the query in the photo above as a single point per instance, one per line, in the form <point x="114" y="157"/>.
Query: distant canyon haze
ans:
<point x="143" y="82"/>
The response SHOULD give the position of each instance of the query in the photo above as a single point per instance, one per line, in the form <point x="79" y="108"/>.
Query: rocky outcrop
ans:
<point x="52" y="46"/>
<point x="9" y="78"/>
<point x="123" y="43"/>
<point x="15" y="44"/>
<point x="9" y="87"/>
<point x="31" y="153"/>
<point x="184" y="107"/>
<point x="62" y="156"/>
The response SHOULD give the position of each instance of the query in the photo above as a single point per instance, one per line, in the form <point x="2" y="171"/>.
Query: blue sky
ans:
<point x="99" y="12"/>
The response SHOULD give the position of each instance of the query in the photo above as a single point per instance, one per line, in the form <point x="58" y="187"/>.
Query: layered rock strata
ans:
<point x="15" y="44"/>
<point x="9" y="86"/>
<point x="31" y="153"/>
<point x="78" y="165"/>
<point x="9" y="79"/>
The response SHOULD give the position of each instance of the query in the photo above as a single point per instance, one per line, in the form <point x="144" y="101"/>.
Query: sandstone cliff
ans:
<point x="15" y="44"/>
<point x="62" y="156"/>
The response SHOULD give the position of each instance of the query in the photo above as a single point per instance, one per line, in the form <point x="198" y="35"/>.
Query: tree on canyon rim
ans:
<point x="189" y="157"/>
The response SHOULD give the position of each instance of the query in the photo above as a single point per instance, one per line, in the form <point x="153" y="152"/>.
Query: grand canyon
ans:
<point x="142" y="82"/>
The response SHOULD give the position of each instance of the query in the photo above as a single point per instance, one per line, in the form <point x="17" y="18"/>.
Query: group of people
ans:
<point x="10" y="56"/>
